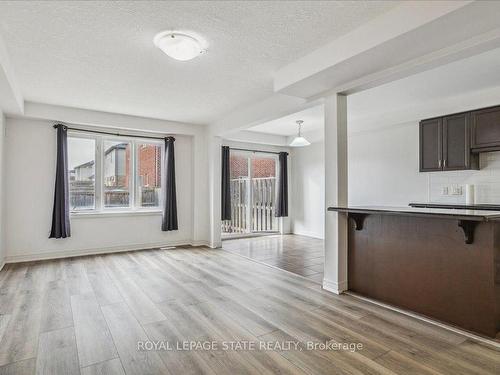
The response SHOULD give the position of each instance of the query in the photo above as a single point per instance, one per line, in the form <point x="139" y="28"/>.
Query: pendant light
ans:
<point x="299" y="140"/>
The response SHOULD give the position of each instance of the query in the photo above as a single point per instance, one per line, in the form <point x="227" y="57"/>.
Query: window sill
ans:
<point x="124" y="213"/>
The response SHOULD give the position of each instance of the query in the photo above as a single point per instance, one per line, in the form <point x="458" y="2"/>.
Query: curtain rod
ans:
<point x="111" y="133"/>
<point x="246" y="149"/>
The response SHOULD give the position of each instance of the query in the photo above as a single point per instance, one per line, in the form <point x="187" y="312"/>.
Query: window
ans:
<point x="81" y="164"/>
<point x="113" y="173"/>
<point x="253" y="193"/>
<point x="117" y="169"/>
<point x="149" y="174"/>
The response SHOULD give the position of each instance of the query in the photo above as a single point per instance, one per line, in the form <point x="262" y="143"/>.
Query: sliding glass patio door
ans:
<point x="253" y="193"/>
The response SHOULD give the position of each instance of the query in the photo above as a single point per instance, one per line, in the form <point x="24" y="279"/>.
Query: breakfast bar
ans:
<point x="438" y="262"/>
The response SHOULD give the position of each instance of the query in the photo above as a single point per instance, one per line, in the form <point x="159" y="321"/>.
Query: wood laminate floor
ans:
<point x="89" y="315"/>
<point x="298" y="254"/>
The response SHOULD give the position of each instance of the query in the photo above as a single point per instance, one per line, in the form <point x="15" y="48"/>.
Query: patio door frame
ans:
<point x="250" y="155"/>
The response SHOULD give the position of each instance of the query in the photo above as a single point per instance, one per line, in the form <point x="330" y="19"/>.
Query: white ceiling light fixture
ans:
<point x="178" y="46"/>
<point x="299" y="140"/>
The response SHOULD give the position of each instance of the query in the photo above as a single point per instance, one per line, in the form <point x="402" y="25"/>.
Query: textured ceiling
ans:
<point x="99" y="54"/>
<point x="312" y="117"/>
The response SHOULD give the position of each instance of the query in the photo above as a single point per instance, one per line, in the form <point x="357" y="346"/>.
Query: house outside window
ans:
<point x="149" y="174"/>
<point x="113" y="173"/>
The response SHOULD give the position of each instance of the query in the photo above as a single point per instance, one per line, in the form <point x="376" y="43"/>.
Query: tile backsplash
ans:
<point x="486" y="182"/>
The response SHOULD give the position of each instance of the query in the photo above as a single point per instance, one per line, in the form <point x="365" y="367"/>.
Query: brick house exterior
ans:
<point x="238" y="166"/>
<point x="264" y="167"/>
<point x="149" y="165"/>
<point x="117" y="165"/>
<point x="261" y="167"/>
<point x="117" y="169"/>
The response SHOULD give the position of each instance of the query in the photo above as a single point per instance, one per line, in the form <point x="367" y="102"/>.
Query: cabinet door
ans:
<point x="486" y="128"/>
<point x="431" y="150"/>
<point x="456" y="150"/>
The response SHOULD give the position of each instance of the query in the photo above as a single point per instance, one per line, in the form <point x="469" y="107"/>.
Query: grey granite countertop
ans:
<point x="476" y="215"/>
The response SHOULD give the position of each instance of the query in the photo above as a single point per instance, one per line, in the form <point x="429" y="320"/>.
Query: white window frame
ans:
<point x="96" y="172"/>
<point x="133" y="207"/>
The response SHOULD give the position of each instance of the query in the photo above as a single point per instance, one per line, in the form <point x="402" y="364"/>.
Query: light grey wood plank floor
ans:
<point x="111" y="367"/>
<point x="57" y="353"/>
<point x="88" y="315"/>
<point x="94" y="340"/>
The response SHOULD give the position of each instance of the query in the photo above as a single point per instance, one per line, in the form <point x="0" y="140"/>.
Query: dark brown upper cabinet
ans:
<point x="456" y="143"/>
<point x="431" y="145"/>
<point x="445" y="144"/>
<point x="486" y="129"/>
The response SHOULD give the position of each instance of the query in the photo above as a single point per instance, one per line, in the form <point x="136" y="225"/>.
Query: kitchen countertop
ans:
<point x="489" y="207"/>
<point x="460" y="214"/>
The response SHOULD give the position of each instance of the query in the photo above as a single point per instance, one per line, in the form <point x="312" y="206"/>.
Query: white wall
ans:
<point x="383" y="170"/>
<point x="383" y="167"/>
<point x="308" y="190"/>
<point x="2" y="190"/>
<point x="29" y="177"/>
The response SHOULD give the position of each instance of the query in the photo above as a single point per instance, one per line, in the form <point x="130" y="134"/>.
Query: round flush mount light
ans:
<point x="178" y="46"/>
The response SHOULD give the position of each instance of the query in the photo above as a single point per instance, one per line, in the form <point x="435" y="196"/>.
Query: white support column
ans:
<point x="214" y="155"/>
<point x="335" y="276"/>
<point x="201" y="190"/>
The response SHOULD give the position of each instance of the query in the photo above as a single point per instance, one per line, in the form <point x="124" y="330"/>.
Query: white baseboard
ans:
<point x="309" y="234"/>
<point x="215" y="245"/>
<point x="101" y="250"/>
<point x="200" y="243"/>
<point x="248" y="235"/>
<point x="334" y="287"/>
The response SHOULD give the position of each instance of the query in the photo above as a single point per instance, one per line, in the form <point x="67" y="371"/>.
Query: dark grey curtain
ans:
<point x="282" y="189"/>
<point x="169" y="221"/>
<point x="60" y="212"/>
<point x="225" y="185"/>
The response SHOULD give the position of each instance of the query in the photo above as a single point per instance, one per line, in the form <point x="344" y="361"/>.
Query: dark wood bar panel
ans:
<point x="421" y="262"/>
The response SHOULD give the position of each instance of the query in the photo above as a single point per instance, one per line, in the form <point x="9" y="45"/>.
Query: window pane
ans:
<point x="240" y="199"/>
<point x="116" y="174"/>
<point x="238" y="166"/>
<point x="148" y="174"/>
<point x="264" y="194"/>
<point x="263" y="167"/>
<point x="81" y="160"/>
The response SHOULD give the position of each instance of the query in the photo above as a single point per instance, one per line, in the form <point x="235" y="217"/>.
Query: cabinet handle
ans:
<point x="444" y="163"/>
<point x="439" y="163"/>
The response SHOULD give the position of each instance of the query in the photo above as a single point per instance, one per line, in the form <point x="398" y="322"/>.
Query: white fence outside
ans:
<point x="252" y="206"/>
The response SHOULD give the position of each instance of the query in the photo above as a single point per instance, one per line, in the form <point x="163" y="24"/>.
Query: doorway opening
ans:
<point x="253" y="194"/>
